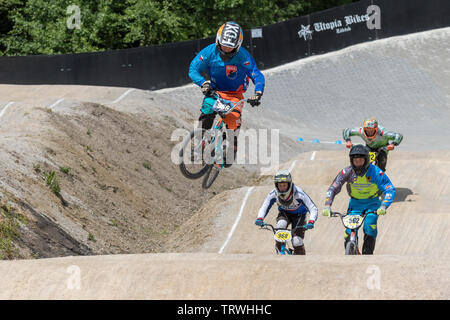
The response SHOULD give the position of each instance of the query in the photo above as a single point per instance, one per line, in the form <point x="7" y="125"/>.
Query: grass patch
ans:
<point x="91" y="237"/>
<point x="64" y="170"/>
<point x="147" y="165"/>
<point x="51" y="180"/>
<point x="9" y="231"/>
<point x="157" y="233"/>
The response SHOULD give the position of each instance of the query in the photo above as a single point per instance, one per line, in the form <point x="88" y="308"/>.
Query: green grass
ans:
<point x="9" y="231"/>
<point x="51" y="180"/>
<point x="147" y="165"/>
<point x="91" y="237"/>
<point x="64" y="170"/>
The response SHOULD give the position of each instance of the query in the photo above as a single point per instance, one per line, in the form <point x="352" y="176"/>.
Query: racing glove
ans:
<point x="259" y="222"/>
<point x="349" y="144"/>
<point x="309" y="225"/>
<point x="326" y="211"/>
<point x="255" y="99"/>
<point x="381" y="211"/>
<point x="390" y="147"/>
<point x="206" y="88"/>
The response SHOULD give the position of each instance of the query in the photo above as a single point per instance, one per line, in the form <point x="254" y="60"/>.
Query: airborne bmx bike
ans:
<point x="201" y="152"/>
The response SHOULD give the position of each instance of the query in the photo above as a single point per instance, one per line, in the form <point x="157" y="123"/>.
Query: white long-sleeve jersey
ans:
<point x="301" y="204"/>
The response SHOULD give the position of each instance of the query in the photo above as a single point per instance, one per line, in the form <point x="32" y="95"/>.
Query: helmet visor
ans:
<point x="283" y="186"/>
<point x="226" y="49"/>
<point x="358" y="161"/>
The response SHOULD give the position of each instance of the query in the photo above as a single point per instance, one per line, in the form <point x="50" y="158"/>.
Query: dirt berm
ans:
<point x="82" y="176"/>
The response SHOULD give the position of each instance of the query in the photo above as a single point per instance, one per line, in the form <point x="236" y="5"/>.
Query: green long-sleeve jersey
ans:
<point x="381" y="140"/>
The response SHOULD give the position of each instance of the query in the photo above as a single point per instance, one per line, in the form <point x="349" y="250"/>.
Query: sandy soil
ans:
<point x="120" y="191"/>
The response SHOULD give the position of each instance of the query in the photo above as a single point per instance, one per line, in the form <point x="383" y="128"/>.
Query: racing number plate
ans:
<point x="373" y="157"/>
<point x="282" y="235"/>
<point x="352" y="221"/>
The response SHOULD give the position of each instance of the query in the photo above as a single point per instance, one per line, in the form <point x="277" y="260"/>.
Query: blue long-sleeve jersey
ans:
<point x="232" y="75"/>
<point x="365" y="187"/>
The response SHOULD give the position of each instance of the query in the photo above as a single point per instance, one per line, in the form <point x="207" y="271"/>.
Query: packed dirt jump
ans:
<point x="218" y="253"/>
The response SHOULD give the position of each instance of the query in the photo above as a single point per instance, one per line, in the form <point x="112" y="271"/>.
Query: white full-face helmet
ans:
<point x="230" y="35"/>
<point x="285" y="197"/>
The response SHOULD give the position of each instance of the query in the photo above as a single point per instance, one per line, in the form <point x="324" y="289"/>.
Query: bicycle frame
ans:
<point x="205" y="147"/>
<point x="285" y="249"/>
<point x="352" y="222"/>
<point x="222" y="107"/>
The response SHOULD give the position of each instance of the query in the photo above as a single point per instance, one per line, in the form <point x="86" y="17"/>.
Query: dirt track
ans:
<point x="411" y="259"/>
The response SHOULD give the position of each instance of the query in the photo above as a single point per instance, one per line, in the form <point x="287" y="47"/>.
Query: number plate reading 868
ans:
<point x="282" y="235"/>
<point x="352" y="221"/>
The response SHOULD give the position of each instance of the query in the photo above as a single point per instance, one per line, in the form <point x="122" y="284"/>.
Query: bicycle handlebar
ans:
<point x="338" y="214"/>
<point x="235" y="103"/>
<point x="274" y="229"/>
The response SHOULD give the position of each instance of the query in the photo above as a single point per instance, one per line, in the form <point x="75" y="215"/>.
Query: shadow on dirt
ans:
<point x="401" y="194"/>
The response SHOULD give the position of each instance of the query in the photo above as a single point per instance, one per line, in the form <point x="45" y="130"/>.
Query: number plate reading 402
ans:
<point x="282" y="235"/>
<point x="352" y="221"/>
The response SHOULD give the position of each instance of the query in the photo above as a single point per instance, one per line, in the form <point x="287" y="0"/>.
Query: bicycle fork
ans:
<point x="217" y="141"/>
<point x="282" y="249"/>
<point x="352" y="238"/>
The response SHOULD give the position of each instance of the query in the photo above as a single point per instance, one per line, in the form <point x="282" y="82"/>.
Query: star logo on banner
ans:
<point x="305" y="32"/>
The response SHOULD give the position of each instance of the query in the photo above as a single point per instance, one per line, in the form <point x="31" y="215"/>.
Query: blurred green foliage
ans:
<point x="47" y="26"/>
